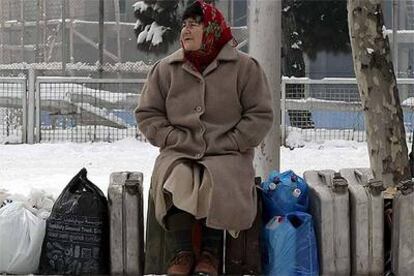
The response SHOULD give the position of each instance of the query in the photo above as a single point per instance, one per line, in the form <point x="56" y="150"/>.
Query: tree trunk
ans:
<point x="264" y="45"/>
<point x="377" y="84"/>
<point x="294" y="64"/>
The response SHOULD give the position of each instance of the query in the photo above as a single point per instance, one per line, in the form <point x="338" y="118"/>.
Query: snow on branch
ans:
<point x="140" y="6"/>
<point x="158" y="24"/>
<point x="152" y="33"/>
<point x="155" y="33"/>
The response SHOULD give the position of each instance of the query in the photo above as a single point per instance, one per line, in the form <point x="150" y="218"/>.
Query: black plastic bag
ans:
<point x="77" y="231"/>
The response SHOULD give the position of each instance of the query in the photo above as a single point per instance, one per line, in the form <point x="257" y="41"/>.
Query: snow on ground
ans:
<point x="333" y="154"/>
<point x="51" y="166"/>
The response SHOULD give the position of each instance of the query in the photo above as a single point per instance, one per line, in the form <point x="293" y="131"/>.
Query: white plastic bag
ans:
<point x="3" y="196"/>
<point x="40" y="203"/>
<point x="21" y="237"/>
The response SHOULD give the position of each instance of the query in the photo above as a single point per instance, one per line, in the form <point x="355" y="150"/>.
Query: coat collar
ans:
<point x="228" y="53"/>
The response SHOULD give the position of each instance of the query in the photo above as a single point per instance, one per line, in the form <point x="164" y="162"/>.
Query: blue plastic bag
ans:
<point x="289" y="246"/>
<point x="284" y="193"/>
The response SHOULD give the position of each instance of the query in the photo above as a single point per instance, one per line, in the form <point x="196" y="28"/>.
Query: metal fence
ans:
<point x="56" y="109"/>
<point x="331" y="108"/>
<point x="82" y="109"/>
<point x="13" y="111"/>
<point x="66" y="32"/>
<point x="76" y="109"/>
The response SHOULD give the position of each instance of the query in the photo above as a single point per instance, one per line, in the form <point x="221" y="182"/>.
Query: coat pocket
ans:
<point x="231" y="143"/>
<point x="234" y="145"/>
<point x="172" y="137"/>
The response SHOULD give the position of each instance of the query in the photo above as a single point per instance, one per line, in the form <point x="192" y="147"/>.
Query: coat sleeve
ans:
<point x="257" y="112"/>
<point x="151" y="114"/>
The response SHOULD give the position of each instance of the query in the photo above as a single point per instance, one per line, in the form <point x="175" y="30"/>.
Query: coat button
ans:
<point x="198" y="108"/>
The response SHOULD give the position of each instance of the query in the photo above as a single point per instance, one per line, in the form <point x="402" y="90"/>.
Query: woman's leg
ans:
<point x="212" y="240"/>
<point x="179" y="242"/>
<point x="179" y="224"/>
<point x="211" y="251"/>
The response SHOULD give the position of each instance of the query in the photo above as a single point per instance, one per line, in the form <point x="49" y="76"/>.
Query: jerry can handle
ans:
<point x="335" y="181"/>
<point x="363" y="178"/>
<point x="406" y="187"/>
<point x="376" y="186"/>
<point x="131" y="185"/>
<point x="339" y="183"/>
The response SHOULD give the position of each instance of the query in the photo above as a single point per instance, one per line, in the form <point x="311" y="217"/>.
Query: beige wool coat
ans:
<point x="214" y="119"/>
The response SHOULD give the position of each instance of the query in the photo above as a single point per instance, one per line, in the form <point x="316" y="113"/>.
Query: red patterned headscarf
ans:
<point x="216" y="34"/>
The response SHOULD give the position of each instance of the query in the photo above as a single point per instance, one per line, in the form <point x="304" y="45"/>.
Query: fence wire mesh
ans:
<point x="84" y="109"/>
<point x="331" y="109"/>
<point x="79" y="111"/>
<point x="49" y="33"/>
<point x="12" y="110"/>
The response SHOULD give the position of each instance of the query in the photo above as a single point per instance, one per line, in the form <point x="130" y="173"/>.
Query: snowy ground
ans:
<point x="51" y="166"/>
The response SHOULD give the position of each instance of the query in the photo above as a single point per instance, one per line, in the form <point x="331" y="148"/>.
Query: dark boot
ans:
<point x="182" y="264"/>
<point x="207" y="265"/>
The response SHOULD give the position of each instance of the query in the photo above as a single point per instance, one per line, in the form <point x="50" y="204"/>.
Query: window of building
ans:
<point x="122" y="6"/>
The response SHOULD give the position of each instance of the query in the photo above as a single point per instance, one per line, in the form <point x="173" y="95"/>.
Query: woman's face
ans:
<point x="191" y="34"/>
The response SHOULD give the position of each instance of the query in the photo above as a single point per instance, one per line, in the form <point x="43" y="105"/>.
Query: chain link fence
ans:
<point x="32" y="31"/>
<point x="13" y="110"/>
<point x="81" y="110"/>
<point x="61" y="37"/>
<point x="331" y="109"/>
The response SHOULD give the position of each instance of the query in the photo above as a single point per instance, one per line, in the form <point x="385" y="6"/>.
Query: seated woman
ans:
<point x="206" y="106"/>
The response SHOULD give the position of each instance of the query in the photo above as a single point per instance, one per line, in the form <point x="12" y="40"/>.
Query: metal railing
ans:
<point x="13" y="110"/>
<point x="83" y="109"/>
<point x="331" y="108"/>
<point x="56" y="109"/>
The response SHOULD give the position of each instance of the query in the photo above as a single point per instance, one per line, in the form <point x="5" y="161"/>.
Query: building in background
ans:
<point x="341" y="65"/>
<point x="31" y="30"/>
